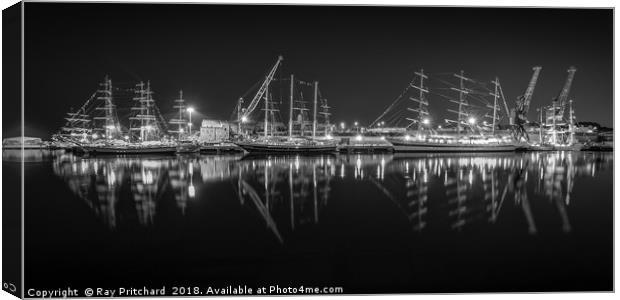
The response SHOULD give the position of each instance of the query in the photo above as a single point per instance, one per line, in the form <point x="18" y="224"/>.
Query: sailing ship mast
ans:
<point x="462" y="116"/>
<point x="422" y="109"/>
<point x="571" y="122"/>
<point x="78" y="122"/>
<point x="144" y="119"/>
<point x="299" y="109"/>
<point x="316" y="91"/>
<point x="181" y="122"/>
<point x="495" y="95"/>
<point x="266" y="109"/>
<point x="290" y="111"/>
<point x="110" y="125"/>
<point x="270" y="113"/>
<point x="326" y="114"/>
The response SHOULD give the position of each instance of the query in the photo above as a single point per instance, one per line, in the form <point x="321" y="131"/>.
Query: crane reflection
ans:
<point x="291" y="193"/>
<point x="289" y="187"/>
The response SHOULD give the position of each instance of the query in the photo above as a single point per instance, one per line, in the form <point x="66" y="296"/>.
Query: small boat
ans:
<point x="287" y="145"/>
<point x="403" y="144"/>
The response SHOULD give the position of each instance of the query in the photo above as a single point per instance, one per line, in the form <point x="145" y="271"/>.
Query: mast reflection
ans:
<point x="128" y="189"/>
<point x="476" y="187"/>
<point x="286" y="187"/>
<point x="290" y="193"/>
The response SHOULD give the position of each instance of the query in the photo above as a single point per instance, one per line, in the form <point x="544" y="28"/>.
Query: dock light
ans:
<point x="407" y="137"/>
<point x="472" y="121"/>
<point x="342" y="125"/>
<point x="190" y="110"/>
<point x="126" y="137"/>
<point x="358" y="138"/>
<point x="181" y="130"/>
<point x="439" y="127"/>
<point x="382" y="137"/>
<point x="244" y="119"/>
<point x="426" y="121"/>
<point x="355" y="123"/>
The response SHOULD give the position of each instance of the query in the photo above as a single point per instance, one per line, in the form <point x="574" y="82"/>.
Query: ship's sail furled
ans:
<point x="146" y="122"/>
<point x="96" y="118"/>
<point x="475" y="105"/>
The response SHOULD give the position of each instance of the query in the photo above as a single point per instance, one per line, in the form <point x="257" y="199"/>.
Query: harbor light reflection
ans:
<point x="292" y="192"/>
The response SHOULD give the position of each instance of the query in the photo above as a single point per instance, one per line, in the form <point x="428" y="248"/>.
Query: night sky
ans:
<point x="362" y="57"/>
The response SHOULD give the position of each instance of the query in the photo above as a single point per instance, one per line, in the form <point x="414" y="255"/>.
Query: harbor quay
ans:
<point x="484" y="120"/>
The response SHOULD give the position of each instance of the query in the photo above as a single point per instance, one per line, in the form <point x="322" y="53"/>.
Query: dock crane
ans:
<point x="561" y="101"/>
<point x="523" y="106"/>
<point x="555" y="112"/>
<point x="244" y="113"/>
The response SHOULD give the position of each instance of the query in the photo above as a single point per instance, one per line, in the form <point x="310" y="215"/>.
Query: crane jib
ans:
<point x="263" y="88"/>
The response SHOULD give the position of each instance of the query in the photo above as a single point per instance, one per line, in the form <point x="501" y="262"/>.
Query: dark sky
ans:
<point x="362" y="56"/>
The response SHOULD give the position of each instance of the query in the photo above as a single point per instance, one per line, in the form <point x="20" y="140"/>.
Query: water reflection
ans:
<point x="292" y="192"/>
<point x="28" y="155"/>
<point x="294" y="188"/>
<point x="132" y="187"/>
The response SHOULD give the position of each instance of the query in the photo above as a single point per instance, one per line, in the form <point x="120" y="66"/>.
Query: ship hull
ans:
<point x="405" y="146"/>
<point x="188" y="149"/>
<point x="128" y="150"/>
<point x="598" y="148"/>
<point x="269" y="148"/>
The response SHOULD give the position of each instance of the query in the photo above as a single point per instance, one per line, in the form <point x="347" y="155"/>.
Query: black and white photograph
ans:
<point x="201" y="149"/>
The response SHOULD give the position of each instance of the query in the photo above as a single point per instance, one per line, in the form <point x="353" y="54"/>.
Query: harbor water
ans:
<point x="383" y="223"/>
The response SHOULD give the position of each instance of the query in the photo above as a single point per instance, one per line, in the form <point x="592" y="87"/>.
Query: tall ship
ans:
<point x="95" y="127"/>
<point x="303" y="135"/>
<point x="462" y="134"/>
<point x="146" y="131"/>
<point x="95" y="119"/>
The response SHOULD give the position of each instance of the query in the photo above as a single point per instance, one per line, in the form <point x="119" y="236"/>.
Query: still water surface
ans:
<point x="368" y="223"/>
